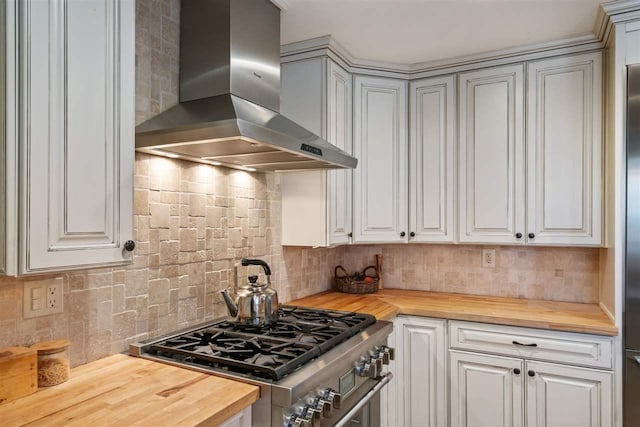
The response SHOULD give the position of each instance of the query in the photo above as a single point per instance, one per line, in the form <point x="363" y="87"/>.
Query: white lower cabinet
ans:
<point x="464" y="374"/>
<point x="241" y="419"/>
<point x="418" y="397"/>
<point x="486" y="390"/>
<point x="568" y="396"/>
<point x="388" y="395"/>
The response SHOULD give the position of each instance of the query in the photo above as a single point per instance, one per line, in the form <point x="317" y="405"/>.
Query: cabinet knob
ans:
<point x="518" y="235"/>
<point x="532" y="235"/>
<point x="350" y="234"/>
<point x="412" y="234"/>
<point x="129" y="245"/>
<point x="516" y="371"/>
<point x="402" y="234"/>
<point x="531" y="374"/>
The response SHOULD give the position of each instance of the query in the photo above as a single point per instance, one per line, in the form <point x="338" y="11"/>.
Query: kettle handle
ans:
<point x="267" y="270"/>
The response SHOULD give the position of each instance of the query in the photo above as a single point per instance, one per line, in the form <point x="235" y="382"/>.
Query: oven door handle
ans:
<point x="365" y="399"/>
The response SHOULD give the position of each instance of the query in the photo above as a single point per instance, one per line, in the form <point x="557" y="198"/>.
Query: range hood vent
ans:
<point x="230" y="95"/>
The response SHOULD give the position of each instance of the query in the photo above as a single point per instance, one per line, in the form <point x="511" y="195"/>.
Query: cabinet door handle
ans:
<point x="516" y="371"/>
<point x="531" y="374"/>
<point x="518" y="235"/>
<point x="350" y="234"/>
<point x="524" y="345"/>
<point x="129" y="245"/>
<point x="532" y="235"/>
<point x="402" y="234"/>
<point x="412" y="234"/>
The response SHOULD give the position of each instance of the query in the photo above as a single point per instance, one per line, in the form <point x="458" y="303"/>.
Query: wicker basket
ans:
<point x="345" y="282"/>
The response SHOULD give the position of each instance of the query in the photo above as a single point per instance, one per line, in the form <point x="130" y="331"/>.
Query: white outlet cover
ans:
<point x="38" y="289"/>
<point x="489" y="258"/>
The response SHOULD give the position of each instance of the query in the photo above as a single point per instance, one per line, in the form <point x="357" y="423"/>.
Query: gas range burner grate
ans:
<point x="263" y="357"/>
<point x="271" y="352"/>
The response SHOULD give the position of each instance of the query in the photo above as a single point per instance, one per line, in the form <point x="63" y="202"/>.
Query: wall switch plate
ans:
<point x="489" y="258"/>
<point x="42" y="297"/>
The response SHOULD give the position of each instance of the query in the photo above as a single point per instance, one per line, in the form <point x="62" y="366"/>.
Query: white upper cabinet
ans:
<point x="76" y="136"/>
<point x="317" y="205"/>
<point x="339" y="133"/>
<point x="432" y="160"/>
<point x="380" y="144"/>
<point x="564" y="146"/>
<point x="491" y="160"/>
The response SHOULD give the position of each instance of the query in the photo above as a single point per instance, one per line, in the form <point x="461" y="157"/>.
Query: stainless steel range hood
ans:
<point x="230" y="95"/>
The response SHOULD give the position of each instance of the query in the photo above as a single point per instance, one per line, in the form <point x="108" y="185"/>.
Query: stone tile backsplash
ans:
<point x="560" y="274"/>
<point x="193" y="222"/>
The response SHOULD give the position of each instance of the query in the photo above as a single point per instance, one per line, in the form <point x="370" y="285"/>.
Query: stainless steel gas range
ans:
<point x="314" y="367"/>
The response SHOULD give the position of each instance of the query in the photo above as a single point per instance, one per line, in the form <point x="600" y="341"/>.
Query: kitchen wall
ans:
<point x="193" y="222"/>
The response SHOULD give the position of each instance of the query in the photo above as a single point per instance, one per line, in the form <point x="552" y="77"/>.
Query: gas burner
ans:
<point x="270" y="352"/>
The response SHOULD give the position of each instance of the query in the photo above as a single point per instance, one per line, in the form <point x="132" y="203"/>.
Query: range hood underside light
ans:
<point x="255" y="156"/>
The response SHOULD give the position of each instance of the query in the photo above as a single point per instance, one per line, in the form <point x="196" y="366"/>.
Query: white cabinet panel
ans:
<point x="565" y="347"/>
<point x="317" y="205"/>
<point x="491" y="161"/>
<point x="380" y="144"/>
<point x="431" y="159"/>
<point x="421" y="356"/>
<point x="339" y="133"/>
<point x="486" y="391"/>
<point x="564" y="143"/>
<point x="389" y="395"/>
<point x="77" y="129"/>
<point x="241" y="419"/>
<point x="566" y="396"/>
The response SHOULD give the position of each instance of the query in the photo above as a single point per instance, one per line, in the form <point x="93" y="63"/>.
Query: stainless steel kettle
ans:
<point x="254" y="303"/>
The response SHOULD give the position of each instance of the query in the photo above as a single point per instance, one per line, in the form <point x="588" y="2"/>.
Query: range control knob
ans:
<point x="386" y="353"/>
<point x="330" y="395"/>
<point x="325" y="407"/>
<point x="368" y="368"/>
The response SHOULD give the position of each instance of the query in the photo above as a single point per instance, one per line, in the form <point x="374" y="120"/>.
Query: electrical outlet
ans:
<point x="489" y="258"/>
<point x="42" y="297"/>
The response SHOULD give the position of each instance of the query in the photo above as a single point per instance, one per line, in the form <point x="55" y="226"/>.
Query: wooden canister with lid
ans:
<point x="53" y="362"/>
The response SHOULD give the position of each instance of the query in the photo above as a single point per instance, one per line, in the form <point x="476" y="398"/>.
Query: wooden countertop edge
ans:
<point x="89" y="394"/>
<point x="398" y="305"/>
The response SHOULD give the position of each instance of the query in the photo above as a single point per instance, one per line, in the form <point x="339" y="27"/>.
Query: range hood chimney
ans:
<point x="230" y="95"/>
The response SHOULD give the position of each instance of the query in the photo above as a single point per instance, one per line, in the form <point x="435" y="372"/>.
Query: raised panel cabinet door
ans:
<point x="564" y="150"/>
<point x="77" y="136"/>
<point x="491" y="155"/>
<point x="486" y="391"/>
<point x="567" y="396"/>
<point x="421" y="365"/>
<point x="340" y="134"/>
<point x="380" y="144"/>
<point x="431" y="159"/>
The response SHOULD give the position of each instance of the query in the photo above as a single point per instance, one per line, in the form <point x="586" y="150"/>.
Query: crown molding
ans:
<point x="281" y="4"/>
<point x="328" y="46"/>
<point x="609" y="13"/>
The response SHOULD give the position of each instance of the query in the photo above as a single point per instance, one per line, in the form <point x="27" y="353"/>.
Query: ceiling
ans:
<point x="412" y="31"/>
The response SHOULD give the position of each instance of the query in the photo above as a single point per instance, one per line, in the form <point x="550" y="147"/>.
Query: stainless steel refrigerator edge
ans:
<point x="632" y="287"/>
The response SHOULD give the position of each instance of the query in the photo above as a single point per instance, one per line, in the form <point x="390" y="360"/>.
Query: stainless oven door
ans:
<point x="360" y="409"/>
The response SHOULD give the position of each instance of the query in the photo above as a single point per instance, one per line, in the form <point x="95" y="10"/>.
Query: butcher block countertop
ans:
<point x="387" y="303"/>
<point x="129" y="391"/>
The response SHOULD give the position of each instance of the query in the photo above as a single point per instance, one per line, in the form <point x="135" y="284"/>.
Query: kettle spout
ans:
<point x="231" y="306"/>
